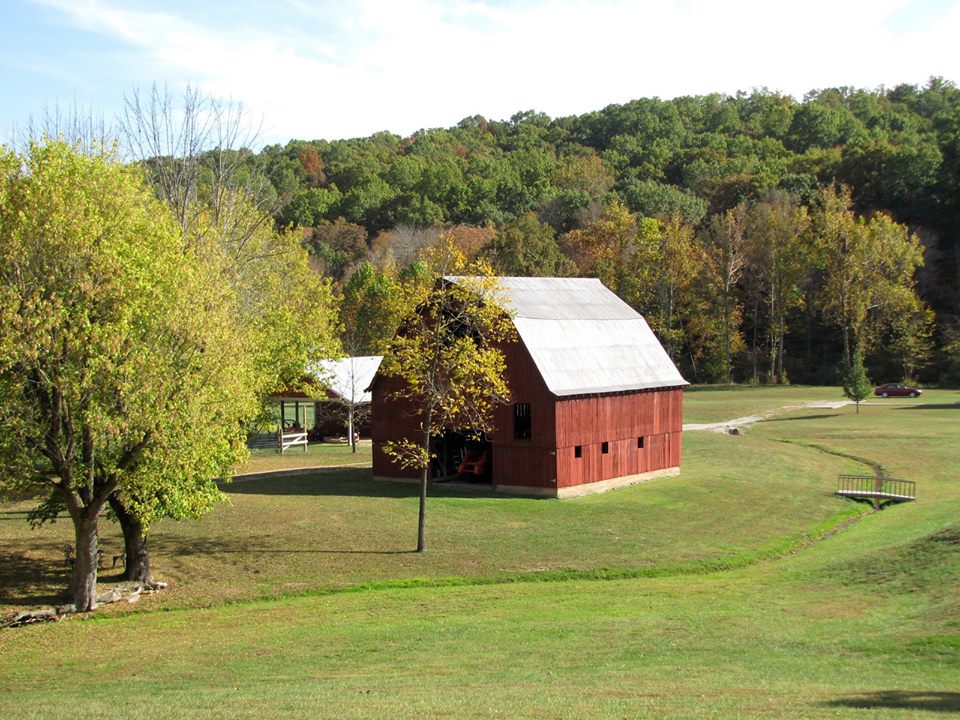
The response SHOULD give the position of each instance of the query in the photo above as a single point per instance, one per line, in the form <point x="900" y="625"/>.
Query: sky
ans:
<point x="310" y="69"/>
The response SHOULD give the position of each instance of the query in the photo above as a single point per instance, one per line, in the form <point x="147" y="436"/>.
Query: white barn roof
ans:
<point x="584" y="339"/>
<point x="350" y="377"/>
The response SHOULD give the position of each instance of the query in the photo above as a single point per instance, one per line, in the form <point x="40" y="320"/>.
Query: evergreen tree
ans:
<point x="856" y="384"/>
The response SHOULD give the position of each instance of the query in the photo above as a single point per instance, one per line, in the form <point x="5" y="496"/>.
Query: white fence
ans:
<point x="291" y="438"/>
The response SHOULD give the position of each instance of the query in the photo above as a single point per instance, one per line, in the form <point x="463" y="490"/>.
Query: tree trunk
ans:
<point x="353" y="441"/>
<point x="83" y="582"/>
<point x="727" y="340"/>
<point x="774" y="332"/>
<point x="137" y="562"/>
<point x="781" y="377"/>
<point x="756" y="323"/>
<point x="424" y="480"/>
<point x="422" y="517"/>
<point x="847" y="354"/>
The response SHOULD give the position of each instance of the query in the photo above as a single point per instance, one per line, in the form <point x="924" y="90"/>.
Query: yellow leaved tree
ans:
<point x="447" y="355"/>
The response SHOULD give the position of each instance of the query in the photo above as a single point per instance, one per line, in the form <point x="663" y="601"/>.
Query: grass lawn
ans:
<point x="865" y="621"/>
<point x="316" y="455"/>
<point x="713" y="403"/>
<point x="336" y="527"/>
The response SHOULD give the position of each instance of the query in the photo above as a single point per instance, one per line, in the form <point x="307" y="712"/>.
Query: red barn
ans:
<point x="596" y="403"/>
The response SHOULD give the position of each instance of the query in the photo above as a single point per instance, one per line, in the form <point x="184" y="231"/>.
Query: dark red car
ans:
<point x="897" y="390"/>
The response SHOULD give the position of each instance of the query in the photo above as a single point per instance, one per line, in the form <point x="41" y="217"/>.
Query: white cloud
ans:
<point x="405" y="65"/>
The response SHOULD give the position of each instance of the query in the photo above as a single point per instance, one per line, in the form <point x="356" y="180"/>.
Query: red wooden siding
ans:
<point x="390" y="420"/>
<point x="618" y="420"/>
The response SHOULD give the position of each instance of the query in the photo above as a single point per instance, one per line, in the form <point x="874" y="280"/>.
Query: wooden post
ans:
<point x="302" y="421"/>
<point x="280" y="431"/>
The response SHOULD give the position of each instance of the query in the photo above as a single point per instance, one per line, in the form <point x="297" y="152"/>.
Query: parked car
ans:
<point x="897" y="390"/>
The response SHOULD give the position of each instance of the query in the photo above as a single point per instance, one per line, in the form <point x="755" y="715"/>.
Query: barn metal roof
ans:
<point x="584" y="339"/>
<point x="350" y="377"/>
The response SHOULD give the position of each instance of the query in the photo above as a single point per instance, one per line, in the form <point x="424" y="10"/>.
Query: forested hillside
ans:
<point x="763" y="238"/>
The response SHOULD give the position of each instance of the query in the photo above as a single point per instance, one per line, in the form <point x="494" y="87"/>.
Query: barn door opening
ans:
<point x="463" y="456"/>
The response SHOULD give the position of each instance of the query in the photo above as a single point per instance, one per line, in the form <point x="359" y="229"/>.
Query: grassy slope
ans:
<point x="867" y="618"/>
<point x="309" y="532"/>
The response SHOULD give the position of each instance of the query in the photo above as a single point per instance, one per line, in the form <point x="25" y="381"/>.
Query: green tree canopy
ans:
<point x="527" y="247"/>
<point x="124" y="363"/>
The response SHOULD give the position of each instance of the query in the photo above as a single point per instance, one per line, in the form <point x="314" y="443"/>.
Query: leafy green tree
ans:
<point x="367" y="203"/>
<point x="672" y="269"/>
<point x="123" y="367"/>
<point x="447" y="356"/>
<point x="649" y="198"/>
<point x="579" y="181"/>
<point x="856" y="384"/>
<point x="615" y="248"/>
<point x="781" y="256"/>
<point x="767" y="114"/>
<point x="369" y="317"/>
<point x="726" y="249"/>
<point x="286" y="311"/>
<point x="823" y="124"/>
<point x="894" y="171"/>
<point x="527" y="247"/>
<point x="898" y="150"/>
<point x="868" y="269"/>
<point x="369" y="312"/>
<point x="195" y="152"/>
<point x="310" y="207"/>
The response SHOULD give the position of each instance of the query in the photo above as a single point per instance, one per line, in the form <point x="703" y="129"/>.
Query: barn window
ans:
<point x="522" y="426"/>
<point x="639" y="443"/>
<point x="578" y="451"/>
<point x="605" y="448"/>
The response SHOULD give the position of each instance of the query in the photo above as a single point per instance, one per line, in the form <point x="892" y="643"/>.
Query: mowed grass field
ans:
<point x="743" y="588"/>
<point x="316" y="455"/>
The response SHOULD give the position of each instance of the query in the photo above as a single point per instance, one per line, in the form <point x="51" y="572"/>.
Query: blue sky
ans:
<point x="319" y="69"/>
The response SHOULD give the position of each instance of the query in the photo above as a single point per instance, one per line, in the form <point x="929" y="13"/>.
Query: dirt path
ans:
<point x="733" y="426"/>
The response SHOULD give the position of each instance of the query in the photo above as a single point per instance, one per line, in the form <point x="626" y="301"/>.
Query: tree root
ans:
<point x="129" y="593"/>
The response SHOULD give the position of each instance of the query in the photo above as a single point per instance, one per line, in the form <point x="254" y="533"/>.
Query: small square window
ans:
<point x="578" y="451"/>
<point x="605" y="448"/>
<point x="522" y="423"/>
<point x="639" y="443"/>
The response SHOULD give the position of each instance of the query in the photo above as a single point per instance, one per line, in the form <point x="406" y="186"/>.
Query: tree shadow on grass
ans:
<point x="17" y="516"/>
<point x="931" y="406"/>
<point x="176" y="547"/>
<point x="821" y="416"/>
<point x="28" y="582"/>
<point x="931" y="701"/>
<point x="721" y="388"/>
<point x="349" y="482"/>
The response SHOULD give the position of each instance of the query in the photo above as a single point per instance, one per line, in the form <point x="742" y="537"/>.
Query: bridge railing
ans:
<point x="870" y="486"/>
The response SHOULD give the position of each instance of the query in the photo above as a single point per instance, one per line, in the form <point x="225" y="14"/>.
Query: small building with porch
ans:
<point x="596" y="403"/>
<point x="346" y="408"/>
<point x="334" y="400"/>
